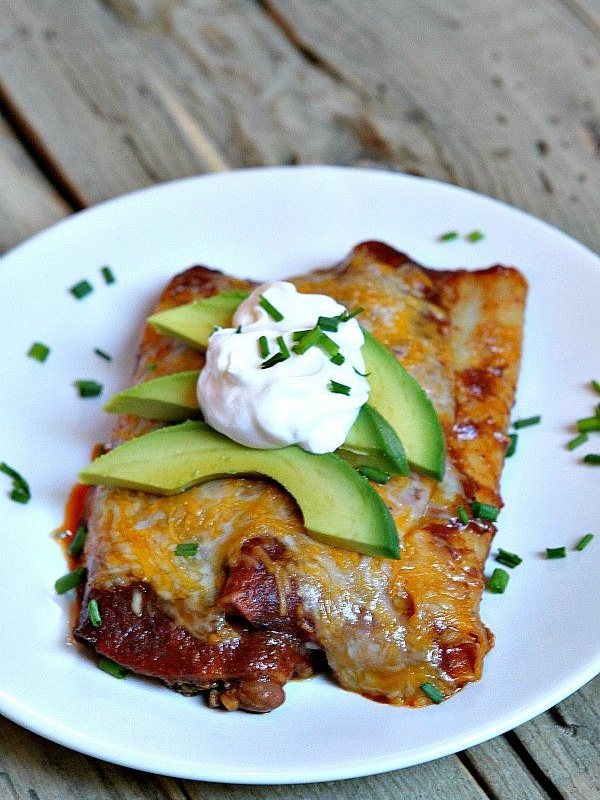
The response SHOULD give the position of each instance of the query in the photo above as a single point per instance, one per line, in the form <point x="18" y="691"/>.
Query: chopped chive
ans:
<point x="102" y="354"/>
<point x="596" y="386"/>
<point x="339" y="388"/>
<point x="79" y="290"/>
<point x="584" y="542"/>
<point x="588" y="424"/>
<point x="432" y="692"/>
<point x="94" y="613"/>
<point x="475" y="236"/>
<point x="577" y="441"/>
<point x="373" y="474"/>
<point x="592" y="458"/>
<point x="485" y="511"/>
<point x="87" y="388"/>
<point x="508" y="559"/>
<point x="151" y="367"/>
<point x="20" y="493"/>
<point x="39" y="352"/>
<point x="351" y="314"/>
<point x="238" y="329"/>
<point x="187" y="549"/>
<point x="263" y="347"/>
<point x="362" y="374"/>
<point x="308" y="340"/>
<point x="297" y="336"/>
<point x="283" y="348"/>
<point x="525" y="423"/>
<point x="112" y="668"/>
<point x="462" y="515"/>
<point x="276" y="359"/>
<point x="327" y="345"/>
<point x="270" y="309"/>
<point x="449" y="236"/>
<point x="338" y="359"/>
<point x="107" y="274"/>
<point x="70" y="580"/>
<point x="330" y="324"/>
<point x="512" y="445"/>
<point x="556" y="552"/>
<point x="498" y="581"/>
<point x="78" y="541"/>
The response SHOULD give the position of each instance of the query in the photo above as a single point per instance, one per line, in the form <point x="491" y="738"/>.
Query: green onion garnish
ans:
<point x="94" y="613"/>
<point x="362" y="374"/>
<point x="508" y="559"/>
<point x="70" y="580"/>
<point x="20" y="493"/>
<point x="556" y="552"/>
<point x="449" y="236"/>
<point x="270" y="309"/>
<point x="351" y="314"/>
<point x="107" y="274"/>
<point x="588" y="424"/>
<point x="592" y="458"/>
<point x="187" y="549"/>
<point x="498" y="581"/>
<point x="151" y="367"/>
<point x="339" y="388"/>
<point x="338" y="359"/>
<point x="276" y="359"/>
<point x="512" y="445"/>
<point x="81" y="289"/>
<point x="596" y="386"/>
<point x="88" y="388"/>
<point x="577" y="441"/>
<point x="475" y="236"/>
<point x="462" y="515"/>
<point x="373" y="474"/>
<point x="39" y="352"/>
<point x="584" y="542"/>
<point x="114" y="669"/>
<point x="78" y="541"/>
<point x="329" y="323"/>
<point x="283" y="348"/>
<point x="263" y="347"/>
<point x="525" y="423"/>
<point x="328" y="346"/>
<point x="102" y="354"/>
<point x="432" y="692"/>
<point x="485" y="511"/>
<point x="307" y="340"/>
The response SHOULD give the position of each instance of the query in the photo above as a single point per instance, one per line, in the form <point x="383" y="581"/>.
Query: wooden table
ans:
<point x="102" y="97"/>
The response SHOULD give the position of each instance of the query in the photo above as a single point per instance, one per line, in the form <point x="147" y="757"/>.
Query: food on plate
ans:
<point x="223" y="588"/>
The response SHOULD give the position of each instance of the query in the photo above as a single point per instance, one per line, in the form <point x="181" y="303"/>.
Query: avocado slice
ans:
<point x="402" y="402"/>
<point x="194" y="322"/>
<point x="339" y="506"/>
<point x="170" y="398"/>
<point x="395" y="394"/>
<point x="370" y="442"/>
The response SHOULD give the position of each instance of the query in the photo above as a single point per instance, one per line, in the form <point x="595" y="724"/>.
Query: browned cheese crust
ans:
<point x="262" y="602"/>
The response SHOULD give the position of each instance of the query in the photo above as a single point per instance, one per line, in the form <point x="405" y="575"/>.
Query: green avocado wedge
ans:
<point x="170" y="398"/>
<point x="402" y="402"/>
<point x="194" y="322"/>
<point x="371" y="442"/>
<point x="339" y="506"/>
<point x="394" y="393"/>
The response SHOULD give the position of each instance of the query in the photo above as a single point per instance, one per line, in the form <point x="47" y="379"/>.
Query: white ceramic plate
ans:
<point x="264" y="224"/>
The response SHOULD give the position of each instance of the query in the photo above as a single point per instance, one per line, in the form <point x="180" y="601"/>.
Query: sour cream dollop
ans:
<point x="293" y="401"/>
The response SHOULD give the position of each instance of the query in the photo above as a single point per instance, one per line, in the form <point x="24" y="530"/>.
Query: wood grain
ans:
<point x="106" y="96"/>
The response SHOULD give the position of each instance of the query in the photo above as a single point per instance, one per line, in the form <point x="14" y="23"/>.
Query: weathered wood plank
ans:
<point x="566" y="742"/>
<point x="28" y="202"/>
<point x="34" y="767"/>
<point x="507" y="92"/>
